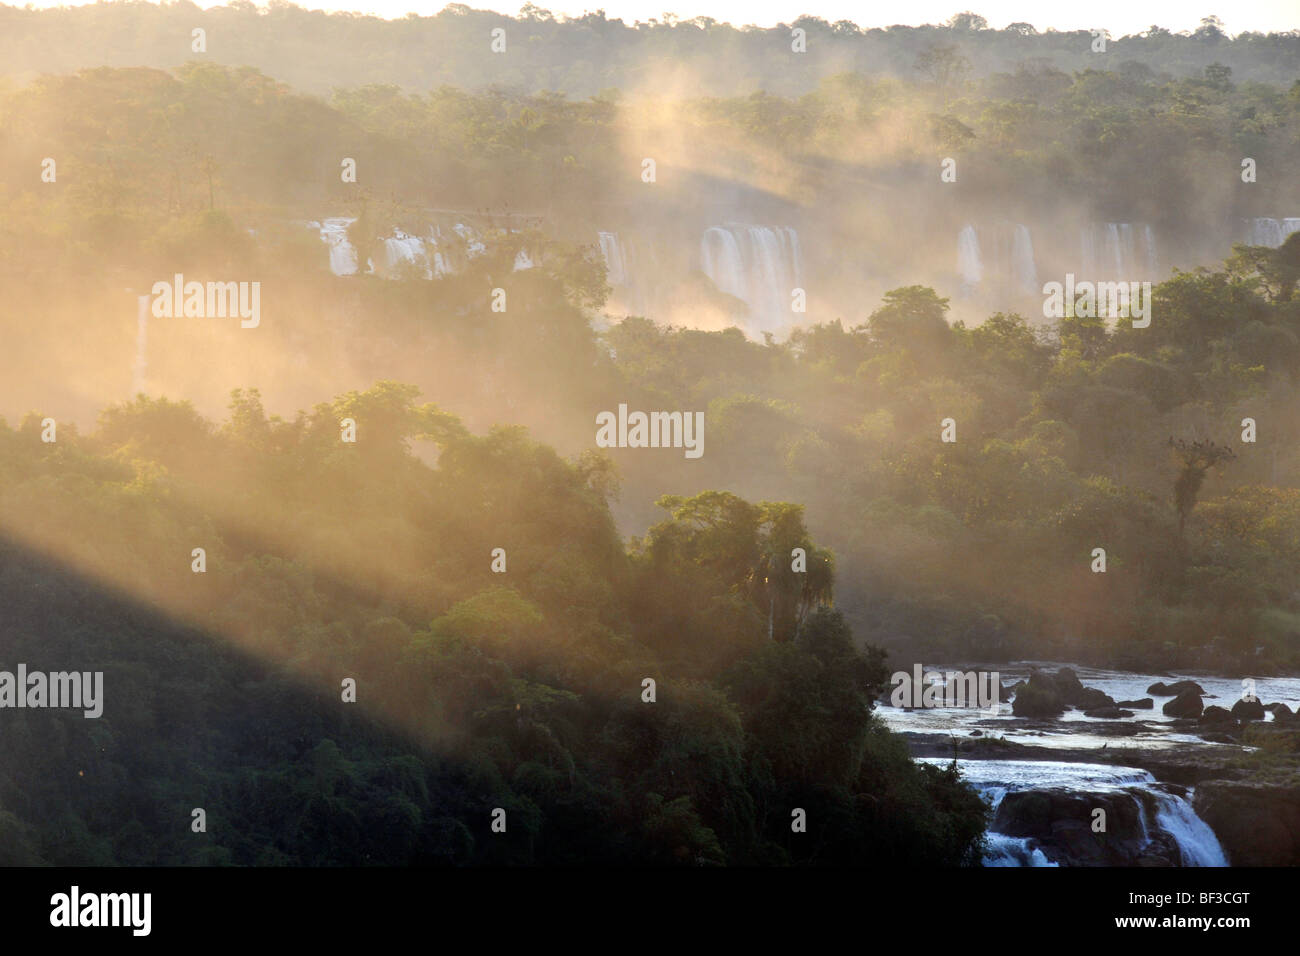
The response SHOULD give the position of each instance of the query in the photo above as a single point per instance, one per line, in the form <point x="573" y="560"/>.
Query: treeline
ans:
<point x="317" y="51"/>
<point x="675" y="702"/>
<point x="141" y="157"/>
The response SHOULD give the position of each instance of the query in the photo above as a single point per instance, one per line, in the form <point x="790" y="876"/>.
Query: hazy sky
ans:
<point x="1118" y="16"/>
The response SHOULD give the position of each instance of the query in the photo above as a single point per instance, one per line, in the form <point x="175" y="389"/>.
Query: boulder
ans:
<point x="1060" y="821"/>
<point x="1217" y="715"/>
<point x="1108" y="713"/>
<point x="1068" y="684"/>
<point x="1146" y="703"/>
<point x="1281" y="712"/>
<point x="1161" y="689"/>
<point x="1248" y="709"/>
<point x="1186" y="704"/>
<point x="1039" y="697"/>
<point x="1092" y="699"/>
<point x="1072" y="692"/>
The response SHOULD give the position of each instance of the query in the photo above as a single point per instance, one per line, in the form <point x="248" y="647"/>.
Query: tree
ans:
<point x="912" y="317"/>
<point x="968" y="22"/>
<point x="1219" y="77"/>
<point x="944" y="67"/>
<point x="1195" y="459"/>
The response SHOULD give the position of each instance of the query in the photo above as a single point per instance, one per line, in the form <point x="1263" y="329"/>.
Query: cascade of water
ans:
<point x="1196" y="841"/>
<point x="771" y="275"/>
<point x="1125" y="257"/>
<point x="1006" y="850"/>
<point x="473" y="245"/>
<point x="969" y="264"/>
<point x="1149" y="250"/>
<point x="994" y="779"/>
<point x="615" y="263"/>
<point x="721" y="260"/>
<point x="439" y="261"/>
<point x="141" y="342"/>
<point x="1022" y="260"/>
<point x="760" y="265"/>
<point x="1114" y="251"/>
<point x="1264" y="232"/>
<point x="343" y="257"/>
<point x="400" y="249"/>
<point x="1110" y="250"/>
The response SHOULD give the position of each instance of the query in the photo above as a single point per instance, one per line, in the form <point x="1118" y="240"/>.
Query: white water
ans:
<point x="1196" y="841"/>
<point x="994" y="779"/>
<point x="615" y="261"/>
<point x="1006" y="850"/>
<point x="1022" y="261"/>
<point x="760" y="265"/>
<point x="1270" y="232"/>
<point x="1073" y="729"/>
<point x="430" y="256"/>
<point x="999" y="257"/>
<point x="970" y="264"/>
<point x="343" y="257"/>
<point x="402" y="253"/>
<point x="1110" y="250"/>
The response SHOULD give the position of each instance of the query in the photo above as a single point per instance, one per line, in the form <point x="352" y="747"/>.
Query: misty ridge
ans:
<point x="317" y="51"/>
<point x="482" y="292"/>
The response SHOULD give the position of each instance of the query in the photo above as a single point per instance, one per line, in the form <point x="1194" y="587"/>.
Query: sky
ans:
<point x="1118" y="16"/>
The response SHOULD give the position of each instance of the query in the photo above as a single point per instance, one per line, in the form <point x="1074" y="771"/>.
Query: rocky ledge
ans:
<point x="1258" y="822"/>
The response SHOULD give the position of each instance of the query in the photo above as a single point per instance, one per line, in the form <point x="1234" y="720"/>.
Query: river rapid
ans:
<point x="1163" y="811"/>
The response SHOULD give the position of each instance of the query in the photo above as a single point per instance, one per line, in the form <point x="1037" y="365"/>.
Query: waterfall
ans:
<point x="994" y="779"/>
<point x="1005" y="850"/>
<point x="1270" y="232"/>
<point x="760" y="265"/>
<point x="1265" y="232"/>
<point x="1109" y="251"/>
<point x="969" y="264"/>
<point x="720" y="258"/>
<point x="1022" y="260"/>
<point x="1149" y="249"/>
<point x="141" y="342"/>
<point x="473" y="245"/>
<point x="432" y="255"/>
<point x="1124" y="250"/>
<point x="439" y="262"/>
<point x="998" y="259"/>
<point x="401" y="249"/>
<point x="343" y="257"/>
<point x="615" y="264"/>
<point x="1196" y="841"/>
